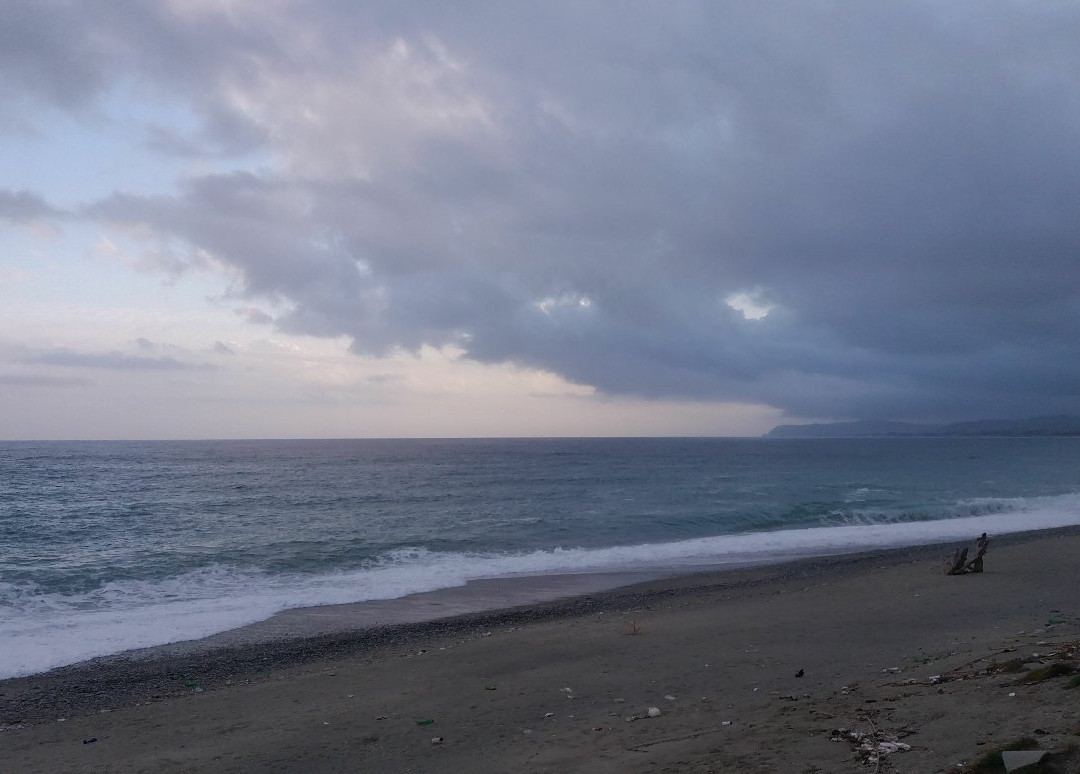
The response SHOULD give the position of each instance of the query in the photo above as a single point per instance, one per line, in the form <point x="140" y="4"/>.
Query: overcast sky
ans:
<point x="263" y="218"/>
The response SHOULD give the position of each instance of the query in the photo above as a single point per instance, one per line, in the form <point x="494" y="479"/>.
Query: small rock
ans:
<point x="549" y="714"/>
<point x="800" y="673"/>
<point x="669" y="697"/>
<point x="437" y="740"/>
<point x="654" y="712"/>
<point x="725" y="722"/>
<point x="91" y="740"/>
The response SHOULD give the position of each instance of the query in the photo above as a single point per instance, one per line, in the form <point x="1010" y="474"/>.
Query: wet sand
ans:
<point x="885" y="645"/>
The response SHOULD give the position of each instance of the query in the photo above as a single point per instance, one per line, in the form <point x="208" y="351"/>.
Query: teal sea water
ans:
<point x="107" y="546"/>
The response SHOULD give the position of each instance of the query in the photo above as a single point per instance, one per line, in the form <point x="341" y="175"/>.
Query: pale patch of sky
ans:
<point x="749" y="304"/>
<point x="72" y="159"/>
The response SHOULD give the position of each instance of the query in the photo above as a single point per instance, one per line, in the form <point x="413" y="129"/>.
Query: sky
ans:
<point x="274" y="218"/>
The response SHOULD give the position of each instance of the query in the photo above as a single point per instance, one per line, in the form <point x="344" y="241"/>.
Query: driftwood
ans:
<point x="961" y="565"/>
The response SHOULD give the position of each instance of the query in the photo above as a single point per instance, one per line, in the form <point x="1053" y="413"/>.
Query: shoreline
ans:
<point x="355" y="626"/>
<point x="490" y="593"/>
<point x="731" y="640"/>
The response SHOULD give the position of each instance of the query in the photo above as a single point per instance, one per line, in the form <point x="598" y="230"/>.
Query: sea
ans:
<point x="111" y="546"/>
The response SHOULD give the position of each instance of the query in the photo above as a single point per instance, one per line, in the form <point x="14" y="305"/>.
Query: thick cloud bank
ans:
<point x="840" y="209"/>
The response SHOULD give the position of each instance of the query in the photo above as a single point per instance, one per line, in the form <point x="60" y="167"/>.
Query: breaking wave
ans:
<point x="44" y="630"/>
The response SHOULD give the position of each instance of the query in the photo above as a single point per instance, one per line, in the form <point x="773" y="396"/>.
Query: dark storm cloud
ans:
<point x="580" y="186"/>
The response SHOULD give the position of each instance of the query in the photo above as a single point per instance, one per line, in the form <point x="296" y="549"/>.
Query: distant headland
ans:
<point x="1064" y="424"/>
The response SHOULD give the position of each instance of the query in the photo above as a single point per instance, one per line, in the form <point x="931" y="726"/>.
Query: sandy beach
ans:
<point x="786" y="668"/>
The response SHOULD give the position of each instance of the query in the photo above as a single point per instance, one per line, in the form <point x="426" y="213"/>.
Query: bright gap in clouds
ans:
<point x="749" y="305"/>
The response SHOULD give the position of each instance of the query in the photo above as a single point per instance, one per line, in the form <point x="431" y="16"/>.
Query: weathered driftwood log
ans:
<point x="961" y="565"/>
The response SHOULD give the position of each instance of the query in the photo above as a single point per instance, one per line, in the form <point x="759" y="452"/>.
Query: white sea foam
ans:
<point x="42" y="631"/>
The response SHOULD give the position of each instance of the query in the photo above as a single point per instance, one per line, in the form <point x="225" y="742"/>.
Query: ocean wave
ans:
<point x="961" y="509"/>
<point x="42" y="630"/>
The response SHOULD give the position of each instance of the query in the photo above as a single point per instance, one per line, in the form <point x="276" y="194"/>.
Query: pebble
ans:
<point x="654" y="712"/>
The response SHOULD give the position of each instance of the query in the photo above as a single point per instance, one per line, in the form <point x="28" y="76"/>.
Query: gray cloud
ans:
<point x="116" y="361"/>
<point x="38" y="380"/>
<point x="24" y="206"/>
<point x="578" y="189"/>
<point x="253" y="315"/>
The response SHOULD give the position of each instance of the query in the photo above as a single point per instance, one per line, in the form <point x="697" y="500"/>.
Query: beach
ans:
<point x="776" y="668"/>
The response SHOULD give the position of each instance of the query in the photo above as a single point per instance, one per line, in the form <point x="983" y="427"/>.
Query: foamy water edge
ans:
<point x="48" y="631"/>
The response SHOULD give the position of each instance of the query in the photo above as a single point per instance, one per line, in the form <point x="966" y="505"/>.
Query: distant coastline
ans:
<point x="1063" y="424"/>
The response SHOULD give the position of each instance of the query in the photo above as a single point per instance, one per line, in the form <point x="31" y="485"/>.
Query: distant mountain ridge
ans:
<point x="1063" y="424"/>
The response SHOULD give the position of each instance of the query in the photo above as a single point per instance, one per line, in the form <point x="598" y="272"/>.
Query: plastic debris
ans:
<point x="654" y="712"/>
<point x="669" y="697"/>
<point x="871" y="747"/>
<point x="1017" y="759"/>
<point x="800" y="673"/>
<point x="549" y="714"/>
<point x="91" y="740"/>
<point x="426" y="722"/>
